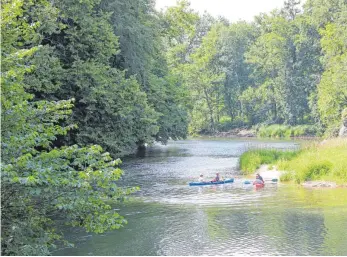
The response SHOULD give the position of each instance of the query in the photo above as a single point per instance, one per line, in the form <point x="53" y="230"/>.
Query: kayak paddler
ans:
<point x="259" y="177"/>
<point x="201" y="178"/>
<point x="258" y="180"/>
<point x="216" y="179"/>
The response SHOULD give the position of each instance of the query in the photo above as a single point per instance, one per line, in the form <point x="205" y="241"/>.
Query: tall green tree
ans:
<point x="286" y="66"/>
<point x="42" y="184"/>
<point x="234" y="41"/>
<point x="205" y="79"/>
<point x="332" y="89"/>
<point x="179" y="38"/>
<point x="141" y="43"/>
<point x="111" y="109"/>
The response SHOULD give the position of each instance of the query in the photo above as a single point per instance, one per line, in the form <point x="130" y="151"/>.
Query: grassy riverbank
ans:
<point x="283" y="131"/>
<point x="319" y="161"/>
<point x="264" y="131"/>
<point x="251" y="160"/>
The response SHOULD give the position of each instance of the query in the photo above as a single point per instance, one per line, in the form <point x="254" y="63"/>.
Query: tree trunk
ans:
<point x="210" y="108"/>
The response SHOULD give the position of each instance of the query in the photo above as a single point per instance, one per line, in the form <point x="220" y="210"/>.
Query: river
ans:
<point x="167" y="217"/>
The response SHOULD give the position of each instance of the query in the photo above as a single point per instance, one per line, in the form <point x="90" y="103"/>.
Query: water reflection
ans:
<point x="167" y="217"/>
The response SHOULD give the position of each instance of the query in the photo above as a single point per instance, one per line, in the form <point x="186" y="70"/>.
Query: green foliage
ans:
<point x="279" y="131"/>
<point x="226" y="123"/>
<point x="286" y="68"/>
<point x="143" y="44"/>
<point x="179" y="24"/>
<point x="78" y="74"/>
<point x="113" y="103"/>
<point x="206" y="81"/>
<point x="252" y="159"/>
<point x="234" y="41"/>
<point x="286" y="176"/>
<point x="42" y="184"/>
<point x="124" y="94"/>
<point x="183" y="35"/>
<point x="332" y="89"/>
<point x="325" y="161"/>
<point x="344" y="114"/>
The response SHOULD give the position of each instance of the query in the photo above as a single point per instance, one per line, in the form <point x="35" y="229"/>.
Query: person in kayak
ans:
<point x="216" y="179"/>
<point x="201" y="178"/>
<point x="258" y="179"/>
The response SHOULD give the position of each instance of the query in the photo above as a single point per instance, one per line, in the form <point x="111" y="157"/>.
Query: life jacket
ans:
<point x="258" y="181"/>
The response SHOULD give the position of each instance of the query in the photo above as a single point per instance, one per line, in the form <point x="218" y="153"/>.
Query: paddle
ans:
<point x="272" y="180"/>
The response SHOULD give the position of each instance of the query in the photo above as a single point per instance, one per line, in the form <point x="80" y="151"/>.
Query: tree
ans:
<point x="111" y="108"/>
<point x="169" y="88"/>
<point x="286" y="60"/>
<point x="270" y="57"/>
<point x="332" y="89"/>
<point x="290" y="9"/>
<point x="233" y="43"/>
<point x="41" y="184"/>
<point x="328" y="19"/>
<point x="205" y="80"/>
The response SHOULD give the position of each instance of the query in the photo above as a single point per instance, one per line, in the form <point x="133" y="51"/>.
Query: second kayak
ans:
<point x="231" y="180"/>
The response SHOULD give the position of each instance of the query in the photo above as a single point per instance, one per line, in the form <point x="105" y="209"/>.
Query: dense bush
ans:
<point x="278" y="131"/>
<point x="226" y="123"/>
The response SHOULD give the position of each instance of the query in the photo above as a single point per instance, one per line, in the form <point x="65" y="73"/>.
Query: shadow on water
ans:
<point x="167" y="217"/>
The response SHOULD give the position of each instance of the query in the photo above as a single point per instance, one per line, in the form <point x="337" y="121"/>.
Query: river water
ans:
<point x="167" y="217"/>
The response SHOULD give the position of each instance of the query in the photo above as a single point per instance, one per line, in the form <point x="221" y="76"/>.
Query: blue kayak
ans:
<point x="211" y="183"/>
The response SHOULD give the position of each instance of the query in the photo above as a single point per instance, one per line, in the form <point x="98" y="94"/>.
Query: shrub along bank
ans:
<point x="278" y="131"/>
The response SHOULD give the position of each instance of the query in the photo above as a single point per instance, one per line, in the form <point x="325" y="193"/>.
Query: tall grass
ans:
<point x="277" y="130"/>
<point x="251" y="160"/>
<point x="324" y="161"/>
<point x="315" y="161"/>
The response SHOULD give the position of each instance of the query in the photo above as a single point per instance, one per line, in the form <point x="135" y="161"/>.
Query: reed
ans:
<point x="252" y="159"/>
<point x="324" y="161"/>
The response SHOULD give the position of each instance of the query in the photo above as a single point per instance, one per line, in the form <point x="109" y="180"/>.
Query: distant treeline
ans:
<point x="287" y="67"/>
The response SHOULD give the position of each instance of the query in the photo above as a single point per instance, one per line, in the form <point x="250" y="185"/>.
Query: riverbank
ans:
<point x="321" y="164"/>
<point x="232" y="133"/>
<point x="271" y="131"/>
<point x="269" y="172"/>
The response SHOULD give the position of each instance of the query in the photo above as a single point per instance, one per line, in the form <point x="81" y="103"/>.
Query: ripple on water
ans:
<point x="167" y="217"/>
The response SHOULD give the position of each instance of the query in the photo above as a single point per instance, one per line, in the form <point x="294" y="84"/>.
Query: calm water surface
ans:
<point x="167" y="217"/>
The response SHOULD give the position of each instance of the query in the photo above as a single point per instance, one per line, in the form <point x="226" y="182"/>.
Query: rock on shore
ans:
<point x="313" y="184"/>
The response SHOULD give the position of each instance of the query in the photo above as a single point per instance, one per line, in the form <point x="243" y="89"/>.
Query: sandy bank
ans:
<point x="271" y="172"/>
<point x="267" y="173"/>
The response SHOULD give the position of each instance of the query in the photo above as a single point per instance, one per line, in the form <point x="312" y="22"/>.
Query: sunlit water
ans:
<point x="167" y="217"/>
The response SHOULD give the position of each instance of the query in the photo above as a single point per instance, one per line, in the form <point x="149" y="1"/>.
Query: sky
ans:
<point x="233" y="10"/>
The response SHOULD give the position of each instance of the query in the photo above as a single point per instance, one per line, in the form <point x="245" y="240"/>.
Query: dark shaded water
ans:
<point x="167" y="217"/>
